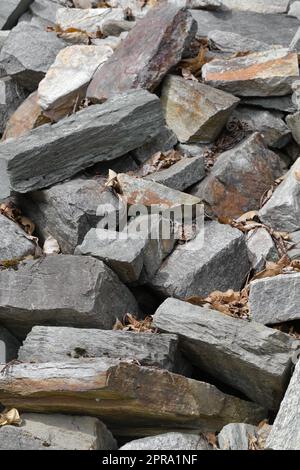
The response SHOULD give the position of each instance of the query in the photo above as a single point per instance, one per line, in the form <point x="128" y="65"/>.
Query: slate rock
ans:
<point x="27" y="54"/>
<point x="293" y="122"/>
<point x="261" y="248"/>
<point x="88" y="20"/>
<point x="139" y="61"/>
<point x="231" y="42"/>
<point x="194" y="111"/>
<point x="11" y="96"/>
<point x="276" y="299"/>
<point x="30" y="162"/>
<point x="268" y="73"/>
<point x="3" y="37"/>
<point x="62" y="290"/>
<point x="236" y="436"/>
<point x="9" y="346"/>
<point x="10" y="12"/>
<point x="294" y="251"/>
<point x="247" y="356"/>
<point x="57" y="432"/>
<point x="165" y="140"/>
<point x="258" y="6"/>
<point x="295" y="10"/>
<point x="282" y="103"/>
<point x="168" y="441"/>
<point x="14" y="241"/>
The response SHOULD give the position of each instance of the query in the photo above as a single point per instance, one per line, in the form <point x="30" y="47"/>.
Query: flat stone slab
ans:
<point x="10" y="12"/>
<point x="275" y="299"/>
<point x="124" y="396"/>
<point x="14" y="241"/>
<point x="194" y="111"/>
<point x="168" y="441"/>
<point x="11" y="96"/>
<point x="258" y="6"/>
<point x="62" y="290"/>
<point x="30" y="162"/>
<point x="281" y="103"/>
<point x="9" y="346"/>
<point x="57" y="432"/>
<point x="231" y="42"/>
<point x="248" y="356"/>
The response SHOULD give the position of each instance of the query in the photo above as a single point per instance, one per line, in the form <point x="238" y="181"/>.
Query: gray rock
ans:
<point x="276" y="299"/>
<point x="30" y="162"/>
<point x="247" y="356"/>
<point x="282" y="103"/>
<point x="14" y="241"/>
<point x="236" y="436"/>
<point x="165" y="140"/>
<point x="194" y="111"/>
<point x="9" y="346"/>
<point x="215" y="260"/>
<point x="261" y="248"/>
<point x="293" y="122"/>
<point x="258" y="6"/>
<point x="227" y="41"/>
<point x="193" y="150"/>
<point x="57" y="432"/>
<point x="27" y="54"/>
<point x="168" y="441"/>
<point x="3" y="37"/>
<point x="295" y="10"/>
<point x="11" y="96"/>
<point x="198" y="4"/>
<point x="282" y="211"/>
<point x="62" y="290"/>
<point x="294" y="252"/>
<point x="10" y="12"/>
<point x="44" y="12"/>
<point x="285" y="434"/>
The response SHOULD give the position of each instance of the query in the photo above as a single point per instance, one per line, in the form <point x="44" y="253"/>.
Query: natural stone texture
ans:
<point x="193" y="150"/>
<point x="282" y="211"/>
<point x="282" y="103"/>
<point x="198" y="4"/>
<point x="131" y="400"/>
<point x="57" y="432"/>
<point x="285" y="434"/>
<point x="11" y="96"/>
<point x="9" y="346"/>
<point x="258" y="6"/>
<point x="10" y="12"/>
<point x="14" y="241"/>
<point x="30" y="162"/>
<point x="165" y="140"/>
<point x="195" y="112"/>
<point x="270" y="125"/>
<point x="276" y="299"/>
<point x="240" y="177"/>
<point x="269" y="73"/>
<point x="261" y="248"/>
<point x="169" y="441"/>
<point x="27" y="54"/>
<point x="65" y="83"/>
<point x="294" y="252"/>
<point x="227" y="41"/>
<point x="3" y="37"/>
<point x="236" y="436"/>
<point x="182" y="174"/>
<point x="295" y="10"/>
<point x="62" y="290"/>
<point x="247" y="356"/>
<point x="215" y="260"/>
<point x="139" y="61"/>
<point x="44" y="12"/>
<point x="293" y="122"/>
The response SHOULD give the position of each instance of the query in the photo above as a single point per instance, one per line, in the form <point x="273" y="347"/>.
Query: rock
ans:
<point x="65" y="83"/>
<point x="285" y="434"/>
<point x="261" y="248"/>
<point x="3" y="37"/>
<point x="215" y="260"/>
<point x="10" y="12"/>
<point x="182" y="174"/>
<point x="64" y="291"/>
<point x="44" y="12"/>
<point x="250" y="357"/>
<point x="239" y="178"/>
<point x="27" y="116"/>
<point x="61" y="344"/>
<point x="131" y="400"/>
<point x="195" y="112"/>
<point x="230" y="42"/>
<point x="270" y="125"/>
<point x="258" y="6"/>
<point x="198" y="4"/>
<point x="139" y="62"/>
<point x="57" y="432"/>
<point x="14" y="241"/>
<point x="276" y="299"/>
<point x="282" y="103"/>
<point x="294" y="252"/>
<point x="193" y="150"/>
<point x="282" y="211"/>
<point x="165" y="140"/>
<point x="9" y="346"/>
<point x="11" y="96"/>
<point x="293" y="122"/>
<point x="295" y="10"/>
<point x="269" y="73"/>
<point x="169" y="441"/>
<point x="67" y="211"/>
<point x="27" y="54"/>
<point x="85" y="138"/>
<point x="236" y="436"/>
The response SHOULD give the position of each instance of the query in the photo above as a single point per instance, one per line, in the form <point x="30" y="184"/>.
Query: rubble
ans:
<point x="15" y="243"/>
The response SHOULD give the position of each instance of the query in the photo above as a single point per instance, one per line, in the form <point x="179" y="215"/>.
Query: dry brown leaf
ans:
<point x="252" y="442"/>
<point x="251" y="215"/>
<point x="159" y="161"/>
<point x="230" y="303"/>
<point x="10" y="417"/>
<point x="130" y="323"/>
<point x="297" y="175"/>
<point x="195" y="64"/>
<point x="212" y="439"/>
<point x="273" y="269"/>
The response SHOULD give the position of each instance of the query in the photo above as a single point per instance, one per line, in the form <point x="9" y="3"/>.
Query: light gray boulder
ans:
<point x="294" y="252"/>
<point x="14" y="241"/>
<point x="168" y="441"/>
<point x="295" y="10"/>
<point x="258" y="6"/>
<point x="236" y="436"/>
<point x="261" y="248"/>
<point x="10" y="12"/>
<point x="9" y="346"/>
<point x="11" y="96"/>
<point x="44" y="11"/>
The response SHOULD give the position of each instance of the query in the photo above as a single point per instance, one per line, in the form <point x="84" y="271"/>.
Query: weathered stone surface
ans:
<point x="240" y="177"/>
<point x="65" y="291"/>
<point x="269" y="73"/>
<point x="295" y="10"/>
<point x="182" y="174"/>
<point x="44" y="12"/>
<point x="139" y="62"/>
<point x="236" y="436"/>
<point x="258" y="6"/>
<point x="215" y="260"/>
<point x="168" y="441"/>
<point x="276" y="299"/>
<point x="282" y="211"/>
<point x="27" y="54"/>
<point x="294" y="252"/>
<point x="261" y="248"/>
<point x="293" y="122"/>
<point x="10" y="12"/>
<point x="31" y="162"/>
<point x="57" y="432"/>
<point x="14" y="242"/>
<point x="270" y="125"/>
<point x="285" y="434"/>
<point x="9" y="346"/>
<point x="11" y="96"/>
<point x="165" y="140"/>
<point x="198" y="4"/>
<point x="282" y="103"/>
<point x="227" y="41"/>
<point x="195" y="112"/>
<point x="65" y="83"/>
<point x="3" y="37"/>
<point x="248" y="356"/>
<point x="131" y="400"/>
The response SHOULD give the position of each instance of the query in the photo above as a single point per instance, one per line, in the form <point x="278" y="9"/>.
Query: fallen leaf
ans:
<point x="195" y="64"/>
<point x="130" y="323"/>
<point x="211" y="439"/>
<point x="248" y="216"/>
<point x="297" y="175"/>
<point x="10" y="417"/>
